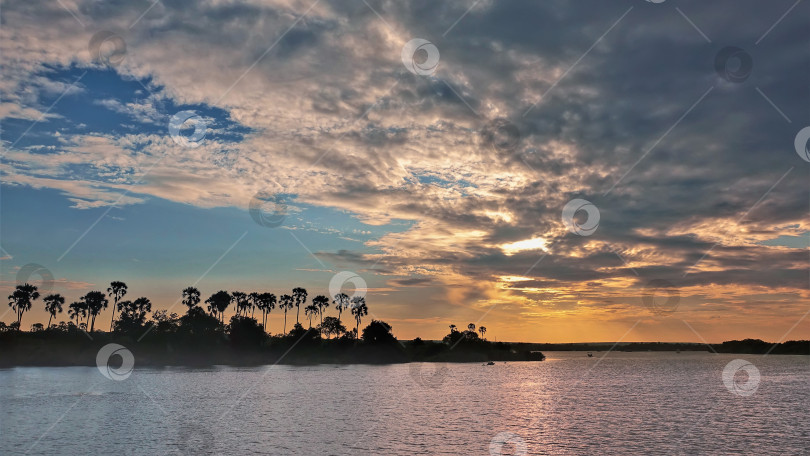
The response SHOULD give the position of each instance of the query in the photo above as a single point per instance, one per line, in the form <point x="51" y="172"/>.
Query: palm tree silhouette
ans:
<point x="141" y="307"/>
<point x="21" y="300"/>
<point x="191" y="297"/>
<point x="254" y="302"/>
<point x="359" y="309"/>
<point x="247" y="304"/>
<point x="77" y="310"/>
<point x="300" y="296"/>
<point x="322" y="303"/>
<point x="452" y="328"/>
<point x="266" y="303"/>
<point x="53" y="305"/>
<point x="117" y="290"/>
<point x="240" y="301"/>
<point x="341" y="302"/>
<point x="285" y="304"/>
<point x="482" y="330"/>
<point x="218" y="303"/>
<point x="311" y="310"/>
<point x="95" y="301"/>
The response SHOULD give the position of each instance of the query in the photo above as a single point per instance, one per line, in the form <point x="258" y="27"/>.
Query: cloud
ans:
<point x="333" y="117"/>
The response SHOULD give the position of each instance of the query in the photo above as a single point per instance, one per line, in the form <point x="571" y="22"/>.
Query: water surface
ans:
<point x="626" y="403"/>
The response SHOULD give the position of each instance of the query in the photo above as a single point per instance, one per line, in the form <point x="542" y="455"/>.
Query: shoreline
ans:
<point x="40" y="349"/>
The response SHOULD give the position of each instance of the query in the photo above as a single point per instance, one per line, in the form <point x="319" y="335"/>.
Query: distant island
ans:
<point x="202" y="337"/>
<point x="746" y="346"/>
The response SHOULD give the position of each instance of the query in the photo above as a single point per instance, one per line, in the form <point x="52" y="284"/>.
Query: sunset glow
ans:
<point x="528" y="244"/>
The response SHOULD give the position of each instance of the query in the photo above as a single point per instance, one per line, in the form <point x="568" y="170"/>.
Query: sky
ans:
<point x="557" y="171"/>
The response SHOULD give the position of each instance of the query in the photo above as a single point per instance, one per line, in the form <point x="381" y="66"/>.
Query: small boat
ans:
<point x="590" y="355"/>
<point x="491" y="363"/>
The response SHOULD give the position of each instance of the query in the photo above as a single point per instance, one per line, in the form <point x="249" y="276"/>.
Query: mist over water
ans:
<point x="627" y="403"/>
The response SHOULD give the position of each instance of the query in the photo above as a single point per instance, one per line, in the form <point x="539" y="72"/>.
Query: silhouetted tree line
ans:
<point x="202" y="334"/>
<point x="132" y="315"/>
<point x="202" y="326"/>
<point x="757" y="346"/>
<point x="469" y="335"/>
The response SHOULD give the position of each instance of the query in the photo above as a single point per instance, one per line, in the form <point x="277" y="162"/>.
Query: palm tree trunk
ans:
<point x="285" y="323"/>
<point x="297" y="312"/>
<point x="49" y="321"/>
<point x="112" y="319"/>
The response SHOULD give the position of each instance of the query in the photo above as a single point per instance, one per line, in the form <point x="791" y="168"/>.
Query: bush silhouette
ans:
<point x="197" y="324"/>
<point x="378" y="332"/>
<point x="246" y="332"/>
